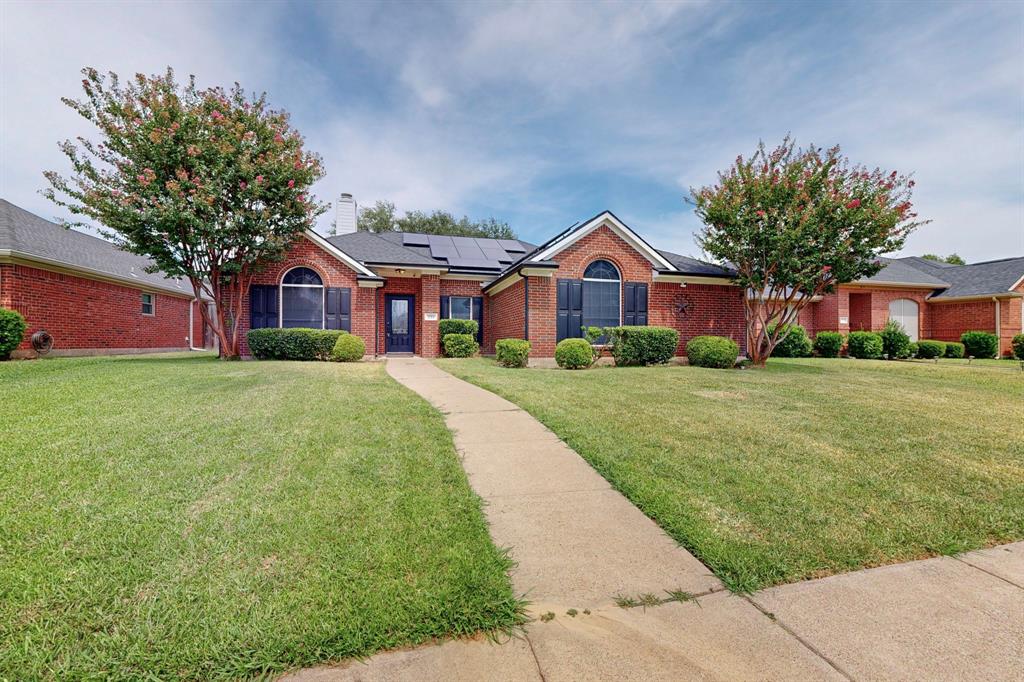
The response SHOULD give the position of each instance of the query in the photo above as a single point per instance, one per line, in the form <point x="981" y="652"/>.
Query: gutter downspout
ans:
<point x="191" y="324"/>
<point x="526" y="308"/>
<point x="999" y="338"/>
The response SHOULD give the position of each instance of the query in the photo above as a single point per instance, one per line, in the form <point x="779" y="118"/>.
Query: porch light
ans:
<point x="400" y="271"/>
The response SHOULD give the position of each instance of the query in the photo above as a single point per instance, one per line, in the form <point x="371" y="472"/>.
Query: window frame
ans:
<point x="469" y="299"/>
<point x="152" y="303"/>
<point x="280" y="295"/>
<point x="617" y="281"/>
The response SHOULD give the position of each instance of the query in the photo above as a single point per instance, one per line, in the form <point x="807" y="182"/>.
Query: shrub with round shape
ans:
<point x="512" y="352"/>
<point x="954" y="349"/>
<point x="574" y="354"/>
<point x="12" y="331"/>
<point x="864" y="345"/>
<point x="1018" y="346"/>
<point x="929" y="350"/>
<point x="795" y="344"/>
<point x="460" y="345"/>
<point x="980" y="344"/>
<point x="712" y="351"/>
<point x="828" y="344"/>
<point x="642" y="345"/>
<point x="348" y="348"/>
<point x="895" y="341"/>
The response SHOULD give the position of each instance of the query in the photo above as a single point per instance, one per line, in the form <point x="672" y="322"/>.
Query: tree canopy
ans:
<point x="210" y="184"/>
<point x="382" y="217"/>
<point x="952" y="259"/>
<point x="794" y="223"/>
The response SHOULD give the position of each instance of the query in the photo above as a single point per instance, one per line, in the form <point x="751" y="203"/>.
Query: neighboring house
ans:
<point x="931" y="300"/>
<point x="392" y="289"/>
<point x="89" y="295"/>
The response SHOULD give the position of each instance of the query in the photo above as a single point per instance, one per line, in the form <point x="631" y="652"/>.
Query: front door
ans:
<point x="400" y="323"/>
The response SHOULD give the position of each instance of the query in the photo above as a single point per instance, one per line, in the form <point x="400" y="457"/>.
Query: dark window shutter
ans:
<point x="569" y="308"/>
<point x="634" y="307"/>
<point x="446" y="304"/>
<point x="478" y="315"/>
<point x="339" y="309"/>
<point x="262" y="306"/>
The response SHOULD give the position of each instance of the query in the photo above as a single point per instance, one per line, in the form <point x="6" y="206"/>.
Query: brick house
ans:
<point x="392" y="289"/>
<point x="90" y="296"/>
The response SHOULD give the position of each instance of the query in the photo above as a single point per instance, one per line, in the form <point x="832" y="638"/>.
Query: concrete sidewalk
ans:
<point x="578" y="544"/>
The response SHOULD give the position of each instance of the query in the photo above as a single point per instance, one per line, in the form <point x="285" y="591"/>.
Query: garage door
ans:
<point x="904" y="311"/>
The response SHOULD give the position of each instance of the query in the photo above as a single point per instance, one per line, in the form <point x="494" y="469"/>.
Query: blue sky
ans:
<point x="544" y="114"/>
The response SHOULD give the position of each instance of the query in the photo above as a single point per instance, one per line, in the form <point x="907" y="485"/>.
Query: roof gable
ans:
<point x="609" y="220"/>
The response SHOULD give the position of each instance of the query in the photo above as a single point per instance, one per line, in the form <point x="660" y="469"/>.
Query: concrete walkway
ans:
<point x="578" y="544"/>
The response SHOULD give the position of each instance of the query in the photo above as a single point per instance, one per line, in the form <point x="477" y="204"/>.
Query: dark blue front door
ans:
<point x="400" y="323"/>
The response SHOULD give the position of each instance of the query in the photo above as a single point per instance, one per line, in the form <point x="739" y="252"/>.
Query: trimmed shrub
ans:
<point x="12" y="331"/>
<point x="1018" y="346"/>
<point x="460" y="345"/>
<point x="980" y="344"/>
<point x="712" y="351"/>
<point x="912" y="350"/>
<point x="297" y="343"/>
<point x="794" y="345"/>
<point x="641" y="345"/>
<point x="895" y="341"/>
<point x="929" y="350"/>
<point x="954" y="349"/>
<point x="446" y="327"/>
<point x="574" y="354"/>
<point x="828" y="344"/>
<point x="348" y="348"/>
<point x="864" y="345"/>
<point x="512" y="352"/>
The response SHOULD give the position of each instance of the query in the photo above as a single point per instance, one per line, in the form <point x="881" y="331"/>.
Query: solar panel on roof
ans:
<point x="415" y="240"/>
<point x="511" y="245"/>
<point x="459" y="262"/>
<point x="470" y="251"/>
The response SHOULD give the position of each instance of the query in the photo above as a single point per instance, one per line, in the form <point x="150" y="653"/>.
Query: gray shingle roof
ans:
<point x="900" y="272"/>
<point x="28" y="235"/>
<point x="982" y="279"/>
<point x="692" y="266"/>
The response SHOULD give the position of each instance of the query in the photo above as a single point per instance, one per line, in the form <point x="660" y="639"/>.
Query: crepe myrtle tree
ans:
<point x="211" y="184"/>
<point x="795" y="223"/>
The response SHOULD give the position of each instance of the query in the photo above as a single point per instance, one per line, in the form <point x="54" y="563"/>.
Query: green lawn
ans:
<point x="807" y="468"/>
<point x="179" y="517"/>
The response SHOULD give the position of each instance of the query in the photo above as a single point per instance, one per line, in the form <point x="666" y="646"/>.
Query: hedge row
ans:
<point x="300" y="343"/>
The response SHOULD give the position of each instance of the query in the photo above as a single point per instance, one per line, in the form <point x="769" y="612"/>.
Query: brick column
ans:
<point x="542" y="311"/>
<point x="430" y="303"/>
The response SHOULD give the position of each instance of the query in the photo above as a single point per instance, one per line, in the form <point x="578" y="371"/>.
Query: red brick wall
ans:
<point x="503" y="314"/>
<point x="711" y="309"/>
<point x="334" y="274"/>
<point x="543" y="324"/>
<point x="87" y="314"/>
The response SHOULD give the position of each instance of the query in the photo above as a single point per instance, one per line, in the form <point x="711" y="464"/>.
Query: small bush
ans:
<point x="712" y="351"/>
<point x="348" y="348"/>
<point x="640" y="345"/>
<point x="895" y="341"/>
<point x="911" y="350"/>
<point x="828" y="344"/>
<point x="446" y="327"/>
<point x="12" y="331"/>
<point x="1018" y="346"/>
<point x="980" y="344"/>
<point x="864" y="345"/>
<point x="297" y="343"/>
<point x="512" y="352"/>
<point x="954" y="349"/>
<point x="929" y="350"/>
<point x="794" y="345"/>
<point x="574" y="354"/>
<point x="460" y="345"/>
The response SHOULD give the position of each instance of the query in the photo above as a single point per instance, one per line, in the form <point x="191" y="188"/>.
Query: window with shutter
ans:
<point x="569" y="309"/>
<point x="262" y="306"/>
<point x="339" y="309"/>
<point x="634" y="307"/>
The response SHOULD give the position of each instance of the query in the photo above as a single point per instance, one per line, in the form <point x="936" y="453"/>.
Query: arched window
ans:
<point x="905" y="311"/>
<point x="601" y="287"/>
<point x="302" y="299"/>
